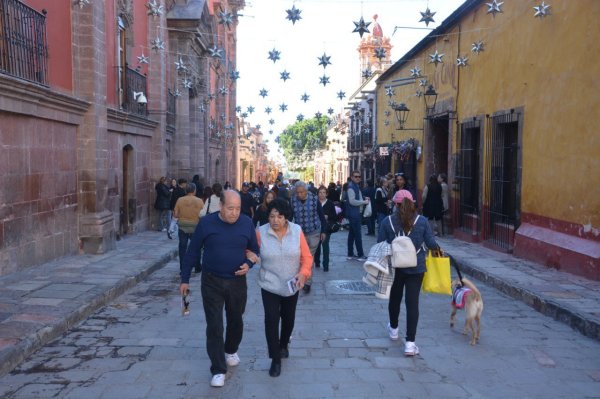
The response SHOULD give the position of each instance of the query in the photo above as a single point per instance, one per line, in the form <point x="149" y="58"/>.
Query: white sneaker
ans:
<point x="393" y="332"/>
<point x="218" y="380"/>
<point x="410" y="349"/>
<point x="232" y="360"/>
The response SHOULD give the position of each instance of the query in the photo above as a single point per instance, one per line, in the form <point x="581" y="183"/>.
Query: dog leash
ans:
<point x="455" y="265"/>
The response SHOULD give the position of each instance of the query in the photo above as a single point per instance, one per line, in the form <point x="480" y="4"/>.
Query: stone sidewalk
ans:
<point x="40" y="303"/>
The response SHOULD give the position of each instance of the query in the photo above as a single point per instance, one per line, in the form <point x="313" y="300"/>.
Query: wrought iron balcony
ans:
<point x="134" y="82"/>
<point x="23" y="42"/>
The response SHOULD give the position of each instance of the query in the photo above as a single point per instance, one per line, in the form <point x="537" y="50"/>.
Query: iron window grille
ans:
<point x="467" y="176"/>
<point x="134" y="82"/>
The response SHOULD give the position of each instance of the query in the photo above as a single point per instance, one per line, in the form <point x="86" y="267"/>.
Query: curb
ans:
<point x="557" y="311"/>
<point x="32" y="342"/>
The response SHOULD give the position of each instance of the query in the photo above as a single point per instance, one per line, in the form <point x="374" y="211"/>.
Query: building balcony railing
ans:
<point x="171" y="110"/>
<point x="23" y="42"/>
<point x="134" y="82"/>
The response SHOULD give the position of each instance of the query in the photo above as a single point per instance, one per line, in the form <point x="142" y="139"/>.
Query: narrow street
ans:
<point x="140" y="346"/>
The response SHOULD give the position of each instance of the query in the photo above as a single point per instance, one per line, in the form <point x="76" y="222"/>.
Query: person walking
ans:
<point x="162" y="204"/>
<point x="248" y="203"/>
<point x="330" y="218"/>
<point x="381" y="203"/>
<point x="286" y="265"/>
<point x="187" y="211"/>
<point x="308" y="214"/>
<point x="261" y="214"/>
<point x="443" y="180"/>
<point x="213" y="203"/>
<point x="178" y="192"/>
<point x="407" y="280"/>
<point x="354" y="215"/>
<point x="433" y="206"/>
<point x="225" y="237"/>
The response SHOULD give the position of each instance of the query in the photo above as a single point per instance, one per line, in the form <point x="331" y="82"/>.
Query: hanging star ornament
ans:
<point x="154" y="8"/>
<point x="305" y="97"/>
<point x="477" y="47"/>
<point x="83" y="3"/>
<point x="285" y="75"/>
<point x="387" y="113"/>
<point x="380" y="53"/>
<point x="462" y="61"/>
<point x="324" y="80"/>
<point x="494" y="7"/>
<point x="176" y="93"/>
<point x="257" y="127"/>
<point x="142" y="59"/>
<point x="210" y="97"/>
<point x="418" y="93"/>
<point x="542" y="10"/>
<point x="422" y="82"/>
<point x="415" y="72"/>
<point x="223" y="90"/>
<point x="271" y="121"/>
<point x="250" y="109"/>
<point x="436" y="58"/>
<point x="157" y="44"/>
<point x="283" y="107"/>
<point x="341" y="94"/>
<point x="324" y="60"/>
<point x="366" y="73"/>
<point x="427" y="16"/>
<point x="180" y="65"/>
<point x="263" y="93"/>
<point x="238" y="109"/>
<point x="361" y="27"/>
<point x="201" y="108"/>
<point x="274" y="55"/>
<point x="386" y="122"/>
<point x="300" y="118"/>
<point x="215" y="52"/>
<point x="389" y="91"/>
<point x="293" y="14"/>
<point x="187" y="83"/>
<point x="318" y="115"/>
<point x="244" y="115"/>
<point x="225" y="18"/>
<point x="234" y="75"/>
<point x="268" y="110"/>
<point x="330" y="111"/>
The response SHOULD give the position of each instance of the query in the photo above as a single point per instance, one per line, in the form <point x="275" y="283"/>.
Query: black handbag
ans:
<point x="334" y="228"/>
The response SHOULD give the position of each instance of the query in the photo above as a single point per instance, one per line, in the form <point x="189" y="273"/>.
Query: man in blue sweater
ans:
<point x="225" y="237"/>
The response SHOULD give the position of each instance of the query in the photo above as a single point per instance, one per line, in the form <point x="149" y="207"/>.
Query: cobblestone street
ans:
<point x="139" y="346"/>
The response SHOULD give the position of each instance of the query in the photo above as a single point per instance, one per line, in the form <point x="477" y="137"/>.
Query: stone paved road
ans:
<point x="141" y="347"/>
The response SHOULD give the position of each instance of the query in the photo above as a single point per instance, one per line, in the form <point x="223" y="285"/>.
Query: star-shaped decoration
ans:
<point x="223" y="90"/>
<point x="83" y="3"/>
<point x="422" y="82"/>
<point x="387" y="113"/>
<point x="380" y="53"/>
<point x="436" y="58"/>
<point x="154" y="8"/>
<point x="386" y="122"/>
<point x="142" y="59"/>
<point x="318" y="115"/>
<point x="462" y="61"/>
<point x="300" y="118"/>
<point x="238" y="109"/>
<point x="274" y="55"/>
<point x="293" y="14"/>
<point x="226" y="18"/>
<point x="271" y="121"/>
<point x="542" y="10"/>
<point x="415" y="72"/>
<point x="187" y="83"/>
<point x="222" y="116"/>
<point x="330" y="111"/>
<point x="180" y="65"/>
<point x="234" y="75"/>
<point x="215" y="52"/>
<point x="201" y="108"/>
<point x="250" y="109"/>
<point x="366" y="130"/>
<point x="324" y="60"/>
<point x="494" y="7"/>
<point x="477" y="47"/>
<point x="210" y="97"/>
<point x="389" y="91"/>
<point x="177" y="93"/>
<point x="427" y="16"/>
<point x="324" y="80"/>
<point x="283" y="107"/>
<point x="341" y="94"/>
<point x="157" y="44"/>
<point x="367" y="73"/>
<point x="418" y="93"/>
<point x="257" y="127"/>
<point x="268" y="110"/>
<point x="361" y="27"/>
<point x="285" y="75"/>
<point x="244" y="115"/>
<point x="270" y="132"/>
<point x="305" y="97"/>
<point x="263" y="93"/>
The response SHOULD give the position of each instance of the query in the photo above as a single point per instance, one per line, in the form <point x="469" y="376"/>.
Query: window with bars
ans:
<point x="467" y="176"/>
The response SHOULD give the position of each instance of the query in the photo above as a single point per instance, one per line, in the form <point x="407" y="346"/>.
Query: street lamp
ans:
<point x="430" y="96"/>
<point x="401" y="111"/>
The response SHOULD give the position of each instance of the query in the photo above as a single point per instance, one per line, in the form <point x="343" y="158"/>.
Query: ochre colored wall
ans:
<point x="58" y="31"/>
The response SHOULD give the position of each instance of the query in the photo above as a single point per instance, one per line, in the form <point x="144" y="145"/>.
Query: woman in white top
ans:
<point x="213" y="203"/>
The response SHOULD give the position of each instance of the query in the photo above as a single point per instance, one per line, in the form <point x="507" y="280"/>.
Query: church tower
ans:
<point x="374" y="51"/>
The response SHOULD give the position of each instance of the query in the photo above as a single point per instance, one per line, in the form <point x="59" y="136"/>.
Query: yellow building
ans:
<point x="513" y="127"/>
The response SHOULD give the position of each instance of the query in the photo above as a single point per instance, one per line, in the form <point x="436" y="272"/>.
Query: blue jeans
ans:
<point x="355" y="237"/>
<point x="371" y="224"/>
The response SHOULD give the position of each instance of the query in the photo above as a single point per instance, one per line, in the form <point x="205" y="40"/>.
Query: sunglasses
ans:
<point x="356" y="177"/>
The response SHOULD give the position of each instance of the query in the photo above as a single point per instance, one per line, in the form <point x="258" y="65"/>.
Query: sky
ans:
<point x="325" y="27"/>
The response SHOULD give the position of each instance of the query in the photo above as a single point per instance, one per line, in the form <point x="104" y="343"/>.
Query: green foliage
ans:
<point x="309" y="173"/>
<point x="300" y="140"/>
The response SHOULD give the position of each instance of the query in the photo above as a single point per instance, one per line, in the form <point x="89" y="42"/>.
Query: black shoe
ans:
<point x="169" y="235"/>
<point x="325" y="268"/>
<point x="275" y="369"/>
<point x="306" y="288"/>
<point x="285" y="353"/>
<point x="317" y="265"/>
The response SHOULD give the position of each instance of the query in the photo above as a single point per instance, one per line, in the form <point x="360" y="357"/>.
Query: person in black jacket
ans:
<point x="162" y="204"/>
<point x="178" y="192"/>
<point x="382" y="203"/>
<point x="433" y="205"/>
<point x="261" y="214"/>
<point x="330" y="217"/>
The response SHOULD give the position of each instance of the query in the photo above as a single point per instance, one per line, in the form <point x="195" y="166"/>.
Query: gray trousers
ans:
<point x="313" y="239"/>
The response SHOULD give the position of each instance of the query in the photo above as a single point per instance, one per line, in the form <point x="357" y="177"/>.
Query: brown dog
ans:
<point x="473" y="304"/>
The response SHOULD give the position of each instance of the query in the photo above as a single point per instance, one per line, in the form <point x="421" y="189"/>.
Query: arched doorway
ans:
<point x="128" y="201"/>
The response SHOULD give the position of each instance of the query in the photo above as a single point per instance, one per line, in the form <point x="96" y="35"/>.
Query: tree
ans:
<point x="300" y="140"/>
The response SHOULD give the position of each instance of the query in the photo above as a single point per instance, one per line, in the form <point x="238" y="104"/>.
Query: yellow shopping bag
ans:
<point x="437" y="277"/>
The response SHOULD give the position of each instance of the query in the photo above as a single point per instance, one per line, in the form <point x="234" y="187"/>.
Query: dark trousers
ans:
<point x="184" y="241"/>
<point x="355" y="237"/>
<point x="324" y="247"/>
<point x="218" y="293"/>
<point x="277" y="308"/>
<point x="412" y="283"/>
<point x="371" y="223"/>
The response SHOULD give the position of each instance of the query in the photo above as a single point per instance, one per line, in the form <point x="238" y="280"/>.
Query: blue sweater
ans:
<point x="420" y="233"/>
<point x="224" y="246"/>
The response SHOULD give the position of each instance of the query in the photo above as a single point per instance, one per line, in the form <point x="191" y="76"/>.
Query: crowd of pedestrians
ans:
<point x="286" y="228"/>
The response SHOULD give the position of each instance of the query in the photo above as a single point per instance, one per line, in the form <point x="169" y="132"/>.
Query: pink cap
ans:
<point x="401" y="194"/>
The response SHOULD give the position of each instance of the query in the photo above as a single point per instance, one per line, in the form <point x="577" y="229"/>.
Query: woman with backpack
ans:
<point x="406" y="221"/>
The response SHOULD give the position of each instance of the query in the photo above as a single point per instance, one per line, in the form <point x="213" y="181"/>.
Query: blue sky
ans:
<point x="326" y="27"/>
